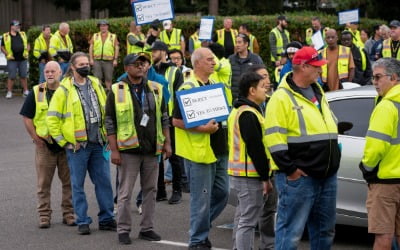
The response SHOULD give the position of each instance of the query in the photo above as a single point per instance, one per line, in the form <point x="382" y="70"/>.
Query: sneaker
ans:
<point x="124" y="239"/>
<point x="199" y="247"/>
<point x="25" y="93"/>
<point x="69" y="220"/>
<point x="9" y="95"/>
<point x="83" y="229"/>
<point x="108" y="226"/>
<point x="175" y="197"/>
<point x="139" y="209"/>
<point x="161" y="195"/>
<point x="44" y="222"/>
<point x="149" y="235"/>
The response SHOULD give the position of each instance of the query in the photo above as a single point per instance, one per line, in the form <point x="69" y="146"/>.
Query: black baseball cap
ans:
<point x="15" y="23"/>
<point x="132" y="58"/>
<point x="158" y="45"/>
<point x="394" y="23"/>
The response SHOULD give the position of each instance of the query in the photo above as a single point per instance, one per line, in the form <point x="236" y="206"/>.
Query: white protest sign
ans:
<point x="349" y="16"/>
<point x="317" y="40"/>
<point x="148" y="11"/>
<point x="200" y="105"/>
<point x="206" y="28"/>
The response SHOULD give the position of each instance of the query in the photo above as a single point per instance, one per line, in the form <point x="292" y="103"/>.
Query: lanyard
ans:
<point x="142" y="98"/>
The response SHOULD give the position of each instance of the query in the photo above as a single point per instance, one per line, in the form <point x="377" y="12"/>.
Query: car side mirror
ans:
<point x="343" y="127"/>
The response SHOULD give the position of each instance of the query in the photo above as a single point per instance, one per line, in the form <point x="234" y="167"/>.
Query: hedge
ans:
<point x="82" y="30"/>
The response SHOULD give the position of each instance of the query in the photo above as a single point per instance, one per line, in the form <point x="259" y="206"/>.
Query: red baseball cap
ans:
<point x="308" y="55"/>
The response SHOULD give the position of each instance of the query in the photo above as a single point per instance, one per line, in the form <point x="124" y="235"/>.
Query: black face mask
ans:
<point x="84" y="71"/>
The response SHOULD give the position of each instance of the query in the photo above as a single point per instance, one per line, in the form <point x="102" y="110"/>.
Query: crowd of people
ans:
<point x="272" y="147"/>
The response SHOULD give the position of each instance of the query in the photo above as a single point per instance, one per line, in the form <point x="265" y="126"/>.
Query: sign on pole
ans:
<point x="200" y="105"/>
<point x="149" y="10"/>
<point x="206" y="28"/>
<point x="349" y="16"/>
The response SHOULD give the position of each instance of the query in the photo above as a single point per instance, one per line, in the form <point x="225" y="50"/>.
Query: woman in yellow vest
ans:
<point x="76" y="121"/>
<point x="248" y="163"/>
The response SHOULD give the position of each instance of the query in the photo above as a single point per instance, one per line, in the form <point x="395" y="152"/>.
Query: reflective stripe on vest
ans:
<point x="342" y="63"/>
<point x="41" y="107"/>
<point x="170" y="76"/>
<point x="174" y="41"/>
<point x="127" y="137"/>
<point x="304" y="136"/>
<point x="221" y="36"/>
<point x="103" y="50"/>
<point x="240" y="163"/>
<point x="133" y="49"/>
<point x="385" y="137"/>
<point x="387" y="51"/>
<point x="40" y="46"/>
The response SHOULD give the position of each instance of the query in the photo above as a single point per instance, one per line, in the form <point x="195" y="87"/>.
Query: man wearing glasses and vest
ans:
<point x="103" y="52"/>
<point x="302" y="137"/>
<point x="380" y="164"/>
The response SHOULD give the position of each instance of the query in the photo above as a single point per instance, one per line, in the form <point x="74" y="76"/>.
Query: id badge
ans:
<point x="145" y="120"/>
<point x="93" y="119"/>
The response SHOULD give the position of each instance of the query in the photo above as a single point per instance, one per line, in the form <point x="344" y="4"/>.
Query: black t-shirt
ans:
<point x="228" y="44"/>
<point x="29" y="109"/>
<point x="17" y="46"/>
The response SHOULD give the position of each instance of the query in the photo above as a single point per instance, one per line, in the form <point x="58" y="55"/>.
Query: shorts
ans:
<point x="14" y="66"/>
<point x="383" y="206"/>
<point x="103" y="70"/>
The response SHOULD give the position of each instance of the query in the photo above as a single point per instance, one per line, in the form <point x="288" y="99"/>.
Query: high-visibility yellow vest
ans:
<point x="342" y="63"/>
<point x="277" y="73"/>
<point x="279" y="43"/>
<point x="193" y="146"/>
<point x="40" y="46"/>
<point x="356" y="38"/>
<point x="363" y="59"/>
<point x="223" y="74"/>
<point x="170" y="76"/>
<point x="387" y="51"/>
<point x="66" y="118"/>
<point x="133" y="49"/>
<point x="309" y="34"/>
<point x="196" y="41"/>
<point x="303" y="120"/>
<point x="57" y="44"/>
<point x="126" y="132"/>
<point x="221" y="36"/>
<point x="240" y="163"/>
<point x="39" y="121"/>
<point x="103" y="51"/>
<point x="382" y="142"/>
<point x="251" y="43"/>
<point x="7" y="45"/>
<point x="174" y="41"/>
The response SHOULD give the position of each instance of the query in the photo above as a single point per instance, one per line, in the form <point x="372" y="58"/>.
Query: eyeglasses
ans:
<point x="176" y="58"/>
<point x="377" y="77"/>
<point x="137" y="64"/>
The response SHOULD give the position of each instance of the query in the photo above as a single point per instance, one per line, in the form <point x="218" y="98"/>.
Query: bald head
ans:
<point x="52" y="73"/>
<point x="331" y="38"/>
<point x="64" y="28"/>
<point x="203" y="61"/>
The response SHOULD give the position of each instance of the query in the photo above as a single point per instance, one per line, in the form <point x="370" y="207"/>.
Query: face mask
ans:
<point x="84" y="71"/>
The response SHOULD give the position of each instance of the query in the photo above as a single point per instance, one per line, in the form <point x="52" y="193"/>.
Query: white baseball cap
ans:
<point x="167" y="24"/>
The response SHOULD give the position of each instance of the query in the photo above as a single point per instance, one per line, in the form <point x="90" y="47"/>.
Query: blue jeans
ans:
<point x="209" y="189"/>
<point x="64" y="66"/>
<point x="90" y="159"/>
<point x="41" y="72"/>
<point x="305" y="201"/>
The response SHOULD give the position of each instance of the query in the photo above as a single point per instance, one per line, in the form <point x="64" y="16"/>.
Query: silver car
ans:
<point x="353" y="108"/>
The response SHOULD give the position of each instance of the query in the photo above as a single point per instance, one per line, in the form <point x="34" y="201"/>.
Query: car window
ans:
<point x="356" y="111"/>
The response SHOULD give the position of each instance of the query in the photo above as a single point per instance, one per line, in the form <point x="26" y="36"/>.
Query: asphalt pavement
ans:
<point x="19" y="219"/>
